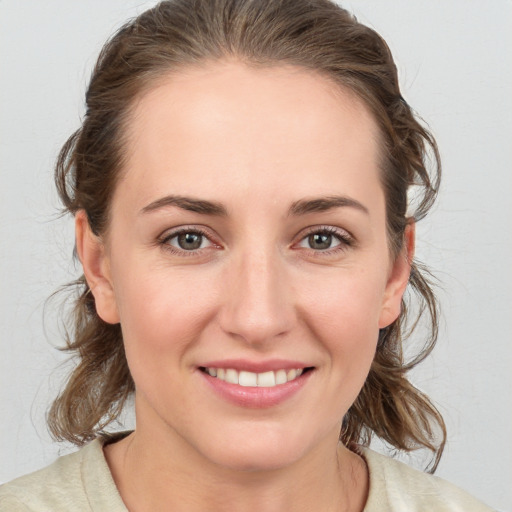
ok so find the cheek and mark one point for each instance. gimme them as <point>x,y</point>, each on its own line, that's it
<point>162,313</point>
<point>343,318</point>
<point>344,315</point>
<point>349,299</point>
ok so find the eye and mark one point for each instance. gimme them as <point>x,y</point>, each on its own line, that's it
<point>320,241</point>
<point>186,240</point>
<point>325,239</point>
<point>189,241</point>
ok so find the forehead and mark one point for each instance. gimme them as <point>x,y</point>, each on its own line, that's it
<point>232,124</point>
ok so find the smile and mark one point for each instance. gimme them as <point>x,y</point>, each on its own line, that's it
<point>255,385</point>
<point>243,378</point>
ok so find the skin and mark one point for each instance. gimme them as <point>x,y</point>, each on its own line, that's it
<point>255,142</point>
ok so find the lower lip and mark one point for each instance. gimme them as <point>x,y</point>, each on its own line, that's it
<point>256,397</point>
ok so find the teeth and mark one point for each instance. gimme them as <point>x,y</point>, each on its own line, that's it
<point>247,379</point>
<point>281,377</point>
<point>266,380</point>
<point>292,374</point>
<point>232,376</point>
<point>250,379</point>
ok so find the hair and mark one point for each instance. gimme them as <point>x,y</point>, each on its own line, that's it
<point>315,35</point>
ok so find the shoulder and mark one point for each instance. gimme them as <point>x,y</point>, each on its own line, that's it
<point>58,485</point>
<point>77,482</point>
<point>396,487</point>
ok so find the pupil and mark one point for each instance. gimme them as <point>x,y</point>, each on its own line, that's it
<point>320,241</point>
<point>190,241</point>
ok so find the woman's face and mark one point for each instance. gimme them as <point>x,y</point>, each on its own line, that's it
<point>247,241</point>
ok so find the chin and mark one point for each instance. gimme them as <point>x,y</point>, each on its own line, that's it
<point>255,459</point>
<point>263,449</point>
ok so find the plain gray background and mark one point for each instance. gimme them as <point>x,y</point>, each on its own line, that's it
<point>454,59</point>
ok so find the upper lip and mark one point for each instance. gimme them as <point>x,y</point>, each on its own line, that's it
<point>255,366</point>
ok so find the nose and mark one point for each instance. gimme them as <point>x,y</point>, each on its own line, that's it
<point>258,305</point>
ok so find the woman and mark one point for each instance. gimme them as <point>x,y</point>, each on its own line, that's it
<point>239,186</point>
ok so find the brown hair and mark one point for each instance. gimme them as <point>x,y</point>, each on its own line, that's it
<point>313,34</point>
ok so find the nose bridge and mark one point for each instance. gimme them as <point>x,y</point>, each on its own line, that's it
<point>258,306</point>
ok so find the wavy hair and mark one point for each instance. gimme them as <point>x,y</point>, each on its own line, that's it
<point>316,35</point>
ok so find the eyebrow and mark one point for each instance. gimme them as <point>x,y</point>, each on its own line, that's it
<point>323,204</point>
<point>301,207</point>
<point>187,203</point>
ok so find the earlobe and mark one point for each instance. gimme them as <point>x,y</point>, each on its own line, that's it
<point>398,279</point>
<point>95,263</point>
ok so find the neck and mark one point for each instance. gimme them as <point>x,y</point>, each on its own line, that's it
<point>152,468</point>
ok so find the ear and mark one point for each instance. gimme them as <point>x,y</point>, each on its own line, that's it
<point>398,279</point>
<point>95,262</point>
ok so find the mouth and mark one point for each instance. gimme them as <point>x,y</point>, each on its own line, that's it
<point>256,385</point>
<point>268,379</point>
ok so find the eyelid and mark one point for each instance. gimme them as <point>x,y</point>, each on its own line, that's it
<point>169,234</point>
<point>346,239</point>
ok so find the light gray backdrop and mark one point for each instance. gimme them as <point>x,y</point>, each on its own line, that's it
<point>455,63</point>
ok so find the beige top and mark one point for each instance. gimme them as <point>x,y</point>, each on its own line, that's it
<point>82,482</point>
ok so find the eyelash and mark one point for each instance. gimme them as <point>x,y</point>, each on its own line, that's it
<point>164,240</point>
<point>344,238</point>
